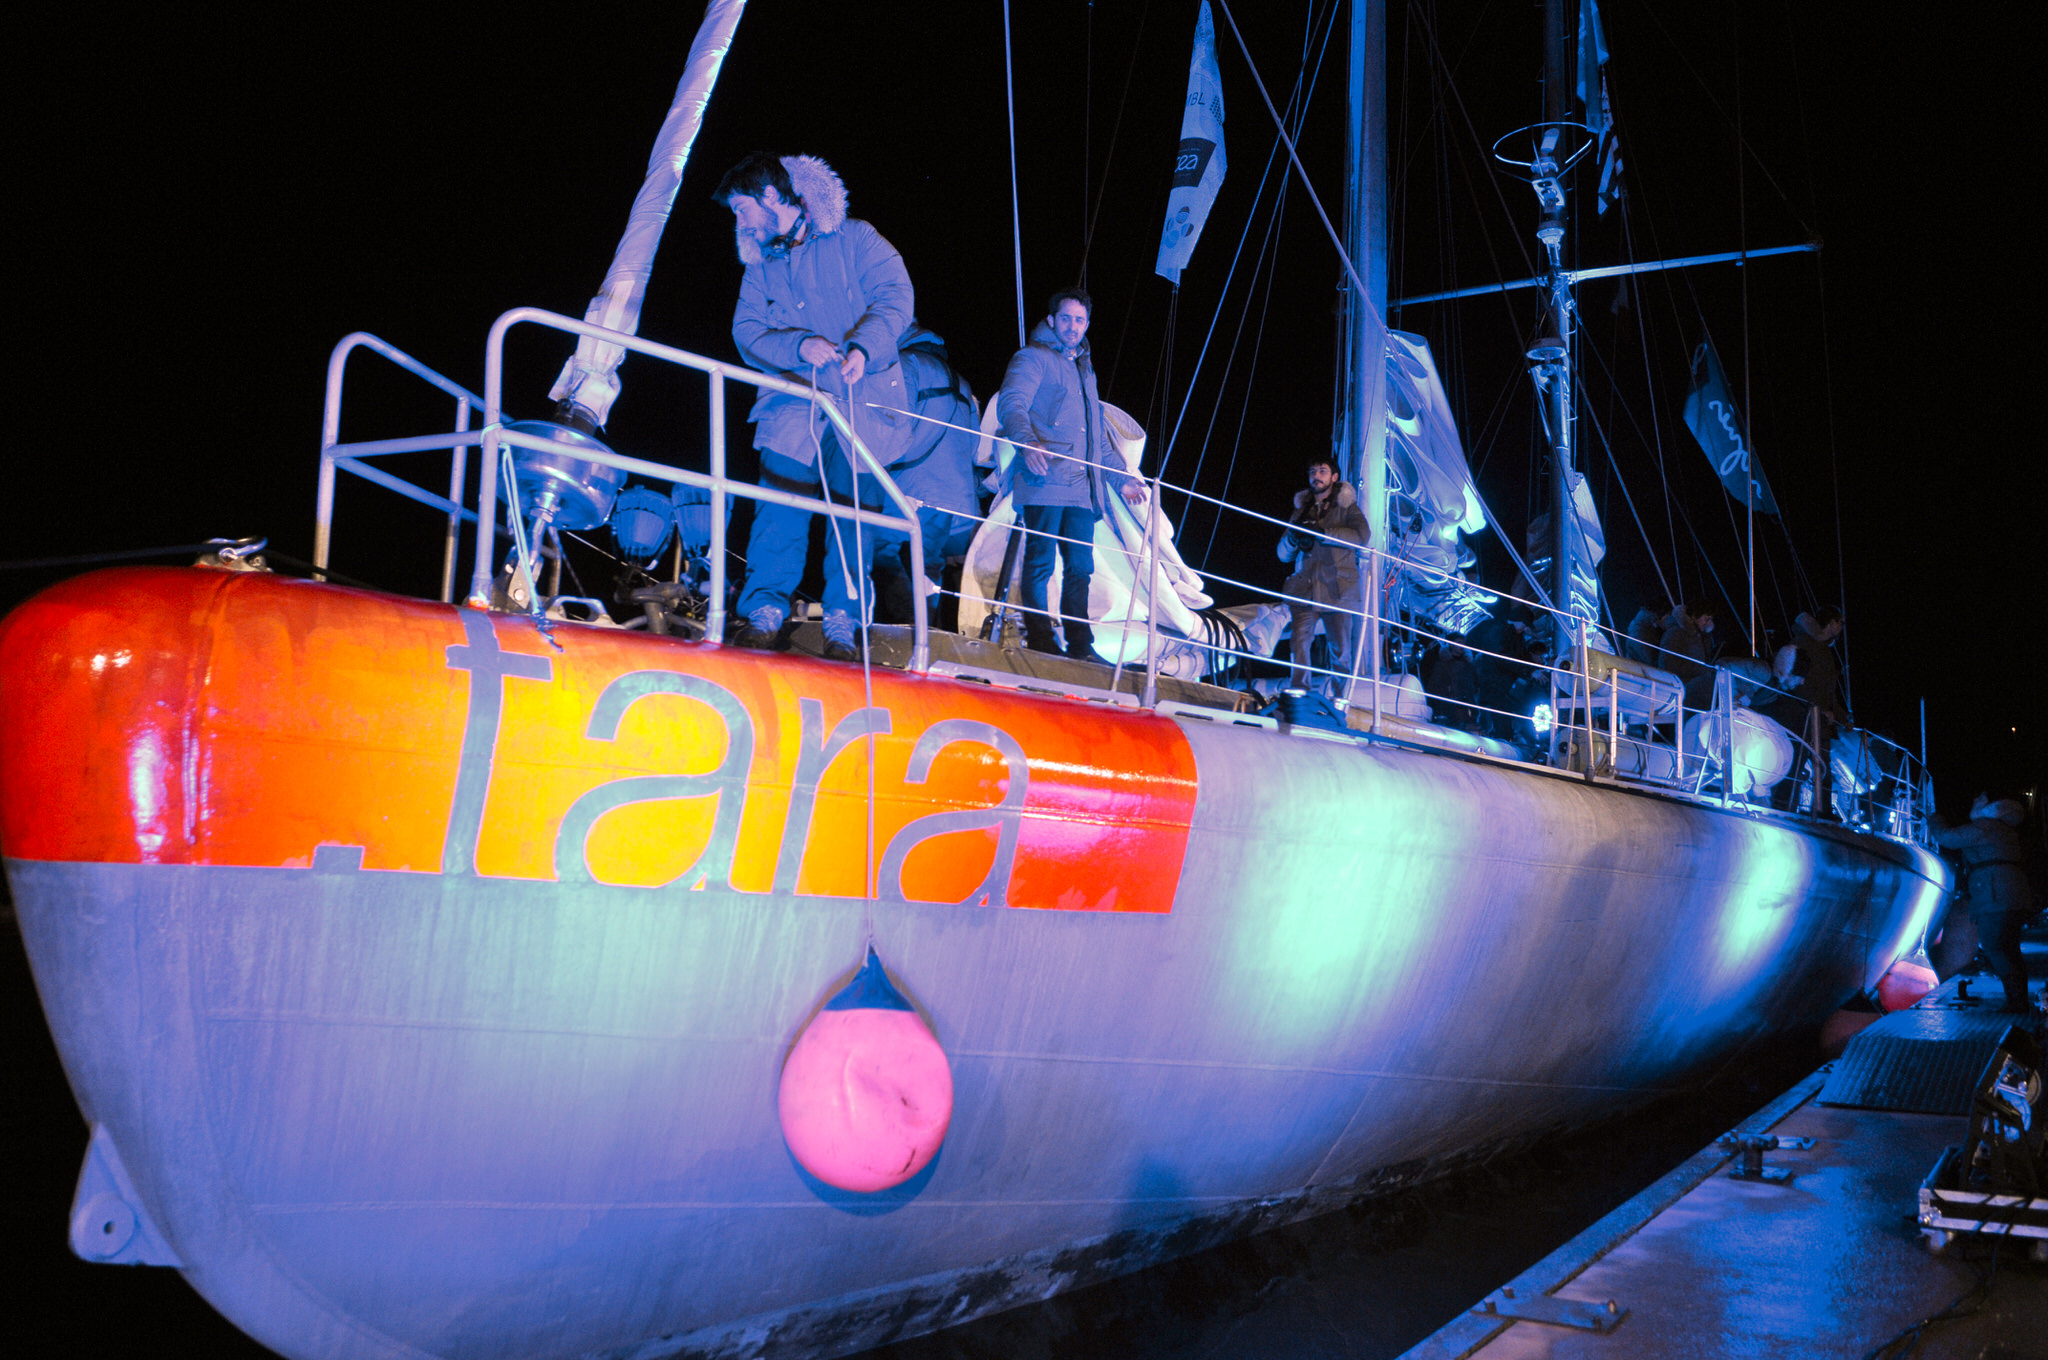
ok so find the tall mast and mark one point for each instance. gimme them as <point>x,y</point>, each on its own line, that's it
<point>1551,357</point>
<point>1362,428</point>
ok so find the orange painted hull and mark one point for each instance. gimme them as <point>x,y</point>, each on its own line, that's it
<point>431,973</point>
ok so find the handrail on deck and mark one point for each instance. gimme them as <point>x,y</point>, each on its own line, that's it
<point>330,437</point>
<point>1645,734</point>
<point>494,436</point>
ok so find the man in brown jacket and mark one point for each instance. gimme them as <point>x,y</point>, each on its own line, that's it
<point>1326,531</point>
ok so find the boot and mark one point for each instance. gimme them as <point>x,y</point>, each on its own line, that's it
<point>762,631</point>
<point>840,641</point>
<point>1074,616</point>
<point>1038,634</point>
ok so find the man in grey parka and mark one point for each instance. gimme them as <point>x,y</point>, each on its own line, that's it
<point>1050,410</point>
<point>824,300</point>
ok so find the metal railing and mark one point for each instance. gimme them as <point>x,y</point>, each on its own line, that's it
<point>1583,705</point>
<point>493,436</point>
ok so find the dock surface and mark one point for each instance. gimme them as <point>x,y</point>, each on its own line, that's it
<point>1830,1263</point>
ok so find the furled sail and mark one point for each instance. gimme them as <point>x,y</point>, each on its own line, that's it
<point>1122,584</point>
<point>1588,545</point>
<point>1432,500</point>
<point>590,379</point>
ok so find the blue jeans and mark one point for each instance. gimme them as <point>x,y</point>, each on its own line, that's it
<point>1077,557</point>
<point>781,538</point>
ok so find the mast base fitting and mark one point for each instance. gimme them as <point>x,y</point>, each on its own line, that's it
<point>578,418</point>
<point>1550,231</point>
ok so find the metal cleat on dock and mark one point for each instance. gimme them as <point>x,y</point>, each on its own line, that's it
<point>1750,1149</point>
<point>1548,1308</point>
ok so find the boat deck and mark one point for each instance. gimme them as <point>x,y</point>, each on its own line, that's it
<point>1828,1264</point>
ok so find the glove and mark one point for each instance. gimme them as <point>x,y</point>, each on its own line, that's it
<point>1299,543</point>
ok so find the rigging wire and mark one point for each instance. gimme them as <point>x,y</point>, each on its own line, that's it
<point>1297,103</point>
<point>1685,516</point>
<point>1016,217</point>
<point>1650,385</point>
<point>1243,411</point>
<point>1742,145</point>
<point>1251,371</point>
<point>1699,312</point>
<point>1259,266</point>
<point>1622,482</point>
<point>1109,157</point>
<point>1827,373</point>
<point>1472,129</point>
<point>1742,243</point>
<point>1363,296</point>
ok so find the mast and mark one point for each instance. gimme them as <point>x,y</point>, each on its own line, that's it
<point>1362,421</point>
<point>589,383</point>
<point>1551,357</point>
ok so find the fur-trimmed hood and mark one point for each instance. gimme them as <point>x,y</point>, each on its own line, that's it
<point>1345,497</point>
<point>822,193</point>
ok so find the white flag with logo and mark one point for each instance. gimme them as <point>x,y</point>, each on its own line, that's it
<point>1199,164</point>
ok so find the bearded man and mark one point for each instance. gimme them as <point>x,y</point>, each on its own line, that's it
<point>824,301</point>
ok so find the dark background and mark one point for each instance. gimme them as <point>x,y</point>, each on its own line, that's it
<point>205,201</point>
<point>209,200</point>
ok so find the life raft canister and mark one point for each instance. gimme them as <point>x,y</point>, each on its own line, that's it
<point>867,1093</point>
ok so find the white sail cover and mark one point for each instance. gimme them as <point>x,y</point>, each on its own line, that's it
<point>591,376</point>
<point>1121,585</point>
<point>1432,499</point>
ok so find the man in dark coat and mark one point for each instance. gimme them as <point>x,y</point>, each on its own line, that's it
<point>1686,649</point>
<point>1644,632</point>
<point>1322,542</point>
<point>824,300</point>
<point>1821,686</point>
<point>1500,647</point>
<point>1994,886</point>
<point>1050,410</point>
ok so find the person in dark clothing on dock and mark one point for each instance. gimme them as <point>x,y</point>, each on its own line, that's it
<point>1993,885</point>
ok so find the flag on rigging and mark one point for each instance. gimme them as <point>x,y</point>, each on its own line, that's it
<point>1593,96</point>
<point>1199,163</point>
<point>1711,416</point>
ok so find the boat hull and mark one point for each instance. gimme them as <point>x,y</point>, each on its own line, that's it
<point>399,1066</point>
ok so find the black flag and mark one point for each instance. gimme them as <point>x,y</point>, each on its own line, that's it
<point>1711,416</point>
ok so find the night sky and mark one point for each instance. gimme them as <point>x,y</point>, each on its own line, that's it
<point>208,198</point>
<point>213,198</point>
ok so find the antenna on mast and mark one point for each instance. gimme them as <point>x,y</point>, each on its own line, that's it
<point>1551,156</point>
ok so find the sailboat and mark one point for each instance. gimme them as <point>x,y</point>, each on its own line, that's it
<point>431,973</point>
